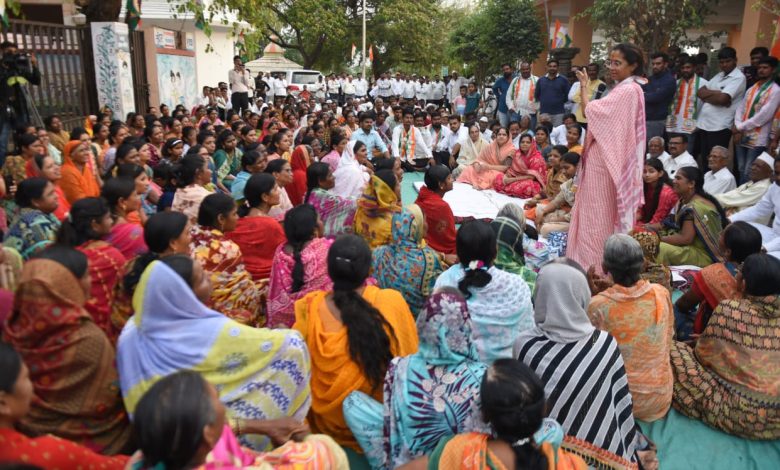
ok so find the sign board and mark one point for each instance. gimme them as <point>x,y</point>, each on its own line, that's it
<point>189,41</point>
<point>164,38</point>
<point>445,71</point>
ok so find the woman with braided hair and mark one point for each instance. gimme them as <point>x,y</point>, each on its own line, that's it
<point>299,266</point>
<point>352,333</point>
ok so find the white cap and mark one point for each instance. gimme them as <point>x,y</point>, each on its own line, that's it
<point>483,119</point>
<point>328,102</point>
<point>766,158</point>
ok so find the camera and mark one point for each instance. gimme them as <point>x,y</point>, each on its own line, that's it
<point>18,61</point>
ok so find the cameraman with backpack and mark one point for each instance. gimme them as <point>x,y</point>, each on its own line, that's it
<point>17,70</point>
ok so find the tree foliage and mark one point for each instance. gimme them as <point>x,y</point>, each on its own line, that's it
<point>651,24</point>
<point>498,31</point>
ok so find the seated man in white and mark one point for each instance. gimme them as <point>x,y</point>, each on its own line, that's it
<point>768,205</point>
<point>409,144</point>
<point>655,148</point>
<point>748,194</point>
<point>719,179</point>
<point>678,155</point>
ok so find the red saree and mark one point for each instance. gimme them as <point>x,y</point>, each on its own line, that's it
<point>299,161</point>
<point>530,164</point>
<point>71,362</point>
<point>53,452</point>
<point>258,237</point>
<point>128,238</point>
<point>106,268</point>
<point>441,221</point>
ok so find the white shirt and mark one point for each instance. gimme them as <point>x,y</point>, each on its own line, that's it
<point>333,87</point>
<point>421,149</point>
<point>319,90</point>
<point>398,86</point>
<point>520,98</point>
<point>456,137</point>
<point>439,138</point>
<point>455,88</point>
<point>240,82</point>
<point>271,81</point>
<point>385,87</point>
<point>349,88</point>
<point>671,165</point>
<point>421,91</point>
<point>409,91</point>
<point>716,118</point>
<point>768,205</point>
<point>280,87</point>
<point>436,91</point>
<point>558,135</point>
<point>204,100</point>
<point>361,87</point>
<point>665,154</point>
<point>488,135</point>
<point>720,182</point>
<point>426,135</point>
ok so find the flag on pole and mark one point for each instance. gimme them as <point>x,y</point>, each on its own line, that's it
<point>353,51</point>
<point>3,14</point>
<point>241,45</point>
<point>559,37</point>
<point>776,44</point>
<point>133,16</point>
<point>371,53</point>
<point>200,18</point>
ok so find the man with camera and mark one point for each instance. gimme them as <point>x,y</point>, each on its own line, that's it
<point>17,69</point>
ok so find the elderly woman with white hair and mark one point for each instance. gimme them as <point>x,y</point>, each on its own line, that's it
<point>640,317</point>
<point>535,251</point>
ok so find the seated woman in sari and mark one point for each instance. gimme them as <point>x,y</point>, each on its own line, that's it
<point>717,282</point>
<point>182,424</point>
<point>491,162</point>
<point>165,233</point>
<point>44,166</point>
<point>299,161</point>
<point>336,213</point>
<point>406,264</point>
<point>261,374</point>
<point>258,234</point>
<point>281,170</point>
<point>235,294</point>
<point>499,302</point>
<point>71,360</point>
<point>527,173</point>
<point>555,215</point>
<point>299,266</point>
<point>660,197</point>
<point>78,181</point>
<point>35,227</point>
<point>438,214</point>
<point>252,162</point>
<point>428,396</point>
<point>375,208</point>
<point>698,220</point>
<point>89,222</point>
<point>122,197</point>
<point>536,252</point>
<point>639,315</point>
<point>227,158</point>
<point>513,403</point>
<point>730,379</point>
<point>579,362</point>
<point>573,138</point>
<point>191,175</point>
<point>48,451</point>
<point>352,333</point>
<point>511,256</point>
<point>470,150</point>
<point>352,175</point>
<point>555,178</point>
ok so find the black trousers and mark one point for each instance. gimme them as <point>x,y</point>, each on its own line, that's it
<point>705,140</point>
<point>240,102</point>
<point>442,158</point>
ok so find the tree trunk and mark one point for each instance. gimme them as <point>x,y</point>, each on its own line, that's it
<point>100,10</point>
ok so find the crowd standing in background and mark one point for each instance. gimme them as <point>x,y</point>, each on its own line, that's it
<point>242,284</point>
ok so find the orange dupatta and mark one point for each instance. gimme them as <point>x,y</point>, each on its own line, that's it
<point>334,374</point>
<point>77,184</point>
<point>63,206</point>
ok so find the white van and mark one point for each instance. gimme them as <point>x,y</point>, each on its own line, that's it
<point>296,79</point>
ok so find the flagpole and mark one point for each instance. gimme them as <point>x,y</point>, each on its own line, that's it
<point>363,55</point>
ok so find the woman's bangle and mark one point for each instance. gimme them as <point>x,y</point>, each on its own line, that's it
<point>237,426</point>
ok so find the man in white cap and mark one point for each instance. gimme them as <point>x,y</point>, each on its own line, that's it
<point>766,207</point>
<point>748,194</point>
<point>484,129</point>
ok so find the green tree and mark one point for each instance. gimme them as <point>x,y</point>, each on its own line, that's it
<point>651,24</point>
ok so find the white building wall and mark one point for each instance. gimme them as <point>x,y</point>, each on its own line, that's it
<point>213,66</point>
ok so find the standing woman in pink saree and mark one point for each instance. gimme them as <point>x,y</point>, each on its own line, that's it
<point>610,176</point>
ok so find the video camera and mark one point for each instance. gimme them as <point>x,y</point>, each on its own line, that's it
<point>17,62</point>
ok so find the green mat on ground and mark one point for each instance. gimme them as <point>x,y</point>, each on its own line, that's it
<point>408,194</point>
<point>684,443</point>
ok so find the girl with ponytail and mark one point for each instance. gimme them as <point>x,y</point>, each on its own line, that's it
<point>500,301</point>
<point>235,294</point>
<point>696,226</point>
<point>84,229</point>
<point>353,332</point>
<point>299,266</point>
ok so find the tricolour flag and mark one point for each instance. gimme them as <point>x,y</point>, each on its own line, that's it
<point>133,16</point>
<point>3,14</point>
<point>775,52</point>
<point>559,37</point>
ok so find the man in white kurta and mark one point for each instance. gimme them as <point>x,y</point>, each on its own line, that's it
<point>766,207</point>
<point>748,194</point>
<point>719,179</point>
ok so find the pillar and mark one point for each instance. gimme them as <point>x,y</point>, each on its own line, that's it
<point>580,30</point>
<point>757,29</point>
<point>113,66</point>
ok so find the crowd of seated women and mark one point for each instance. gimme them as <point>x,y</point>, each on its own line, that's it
<point>180,297</point>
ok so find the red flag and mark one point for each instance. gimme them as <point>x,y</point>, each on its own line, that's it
<point>371,53</point>
<point>775,52</point>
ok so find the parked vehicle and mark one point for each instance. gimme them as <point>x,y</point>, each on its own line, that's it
<point>296,79</point>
